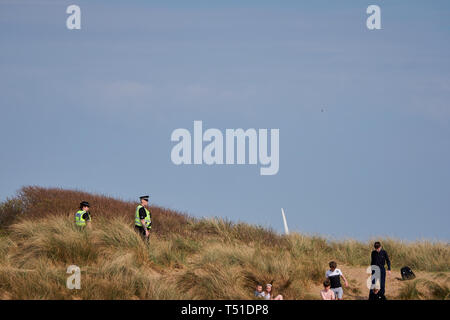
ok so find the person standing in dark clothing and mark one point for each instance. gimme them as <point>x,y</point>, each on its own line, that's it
<point>379,258</point>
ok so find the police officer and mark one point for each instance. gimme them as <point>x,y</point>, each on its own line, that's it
<point>83,217</point>
<point>143,218</point>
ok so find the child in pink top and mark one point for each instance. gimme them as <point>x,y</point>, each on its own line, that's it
<point>327,293</point>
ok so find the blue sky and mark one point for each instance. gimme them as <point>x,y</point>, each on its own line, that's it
<point>93,109</point>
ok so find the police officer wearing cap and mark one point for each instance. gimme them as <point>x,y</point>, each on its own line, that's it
<point>143,218</point>
<point>83,217</point>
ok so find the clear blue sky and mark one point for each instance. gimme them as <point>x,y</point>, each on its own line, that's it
<point>93,109</point>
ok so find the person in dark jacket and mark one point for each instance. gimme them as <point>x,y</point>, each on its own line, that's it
<point>379,258</point>
<point>375,294</point>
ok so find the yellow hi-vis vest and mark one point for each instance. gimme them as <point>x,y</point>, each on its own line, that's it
<point>137,219</point>
<point>79,221</point>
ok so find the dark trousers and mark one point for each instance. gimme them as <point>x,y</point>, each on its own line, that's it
<point>382,280</point>
<point>141,232</point>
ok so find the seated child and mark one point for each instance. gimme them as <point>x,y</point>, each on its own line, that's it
<point>269,295</point>
<point>327,293</point>
<point>259,293</point>
<point>376,294</point>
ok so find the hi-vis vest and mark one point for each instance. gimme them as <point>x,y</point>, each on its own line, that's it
<point>137,219</point>
<point>79,221</point>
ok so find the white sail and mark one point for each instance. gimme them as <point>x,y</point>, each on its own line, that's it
<point>286,230</point>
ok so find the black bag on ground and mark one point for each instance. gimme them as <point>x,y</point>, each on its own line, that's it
<point>407,273</point>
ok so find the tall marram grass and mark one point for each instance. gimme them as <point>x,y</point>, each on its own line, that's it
<point>187,258</point>
<point>56,239</point>
<point>36,202</point>
<point>424,289</point>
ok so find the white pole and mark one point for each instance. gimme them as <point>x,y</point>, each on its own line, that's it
<point>286,230</point>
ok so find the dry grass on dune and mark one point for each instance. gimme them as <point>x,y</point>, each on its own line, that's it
<point>36,202</point>
<point>188,258</point>
<point>420,289</point>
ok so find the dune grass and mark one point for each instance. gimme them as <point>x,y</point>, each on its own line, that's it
<point>187,258</point>
<point>422,289</point>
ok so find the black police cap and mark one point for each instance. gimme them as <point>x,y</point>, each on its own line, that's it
<point>84,204</point>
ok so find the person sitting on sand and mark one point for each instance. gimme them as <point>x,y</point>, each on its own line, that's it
<point>327,293</point>
<point>259,293</point>
<point>268,294</point>
<point>376,294</point>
